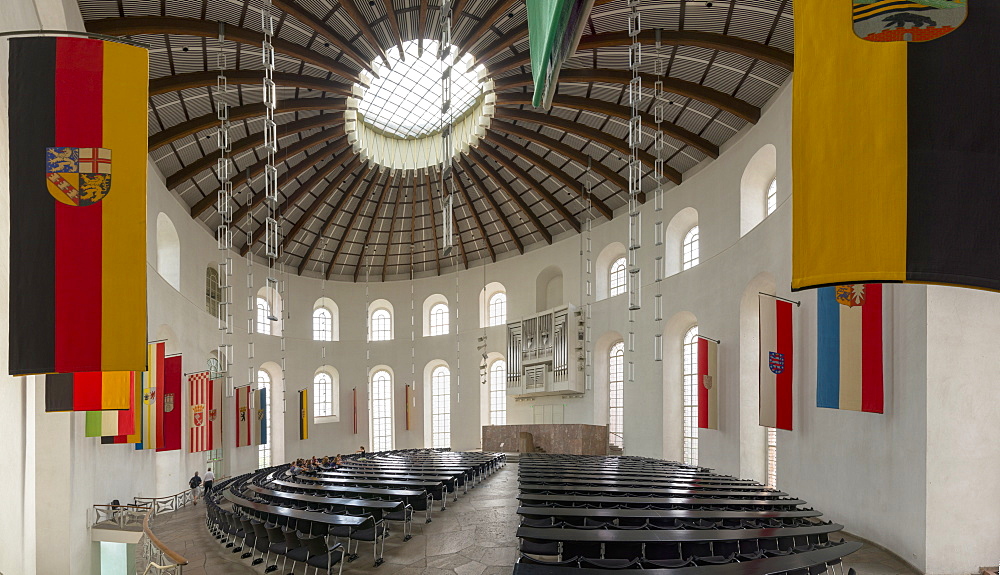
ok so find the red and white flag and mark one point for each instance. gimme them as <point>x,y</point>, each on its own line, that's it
<point>204,417</point>
<point>776,361</point>
<point>708,384</point>
<point>244,416</point>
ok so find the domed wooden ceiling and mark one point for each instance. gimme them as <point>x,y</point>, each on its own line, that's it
<point>346,218</point>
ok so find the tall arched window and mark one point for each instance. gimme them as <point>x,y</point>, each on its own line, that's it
<point>616,281</point>
<point>168,251</point>
<point>322,324</point>
<point>213,292</point>
<point>772,457</point>
<point>498,393</point>
<point>439,319</point>
<point>264,451</point>
<point>263,317</point>
<point>441,407</point>
<point>381,398</point>
<point>690,361</point>
<point>690,249</point>
<point>771,202</point>
<point>616,391</point>
<point>498,309</point>
<point>323,392</point>
<point>381,325</point>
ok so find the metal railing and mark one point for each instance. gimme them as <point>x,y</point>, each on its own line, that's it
<point>168,503</point>
<point>157,557</point>
<point>113,516</point>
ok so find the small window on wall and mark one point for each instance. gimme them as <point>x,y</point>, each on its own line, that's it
<point>498,309</point>
<point>213,291</point>
<point>616,281</point>
<point>263,317</point>
<point>323,392</point>
<point>381,325</point>
<point>690,249</point>
<point>439,319</point>
<point>322,325</point>
<point>772,198</point>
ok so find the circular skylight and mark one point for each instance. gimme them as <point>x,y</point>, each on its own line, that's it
<point>405,100</point>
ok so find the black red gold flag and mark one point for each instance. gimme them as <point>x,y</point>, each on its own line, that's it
<point>90,391</point>
<point>303,414</point>
<point>77,116</point>
<point>895,154</point>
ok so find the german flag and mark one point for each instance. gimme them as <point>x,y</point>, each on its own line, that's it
<point>135,435</point>
<point>77,115</point>
<point>90,391</point>
<point>895,154</point>
<point>114,422</point>
<point>303,414</point>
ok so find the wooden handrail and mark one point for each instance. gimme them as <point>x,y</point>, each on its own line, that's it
<point>177,558</point>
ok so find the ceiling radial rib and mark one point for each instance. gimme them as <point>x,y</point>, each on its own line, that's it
<point>320,201</point>
<point>422,26</point>
<point>532,183</point>
<point>299,12</point>
<point>475,215</point>
<point>609,109</point>
<point>201,123</point>
<point>299,193</point>
<point>167,84</point>
<point>371,226</point>
<point>492,173</point>
<point>341,203</point>
<point>710,40</point>
<point>704,94</point>
<point>586,132</point>
<point>477,182</point>
<point>252,141</point>
<point>350,224</point>
<point>505,41</point>
<point>205,29</point>
<point>497,11</point>
<point>560,148</point>
<point>559,174</point>
<point>433,228</point>
<point>392,228</point>
<point>359,20</point>
<point>390,10</point>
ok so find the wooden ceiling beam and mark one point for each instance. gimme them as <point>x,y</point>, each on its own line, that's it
<point>299,12</point>
<point>195,125</point>
<point>359,20</point>
<point>167,84</point>
<point>133,26</point>
<point>704,94</point>
<point>478,182</point>
<point>491,172</point>
<point>325,228</point>
<point>350,225</point>
<point>610,109</point>
<point>503,42</point>
<point>371,225</point>
<point>392,226</point>
<point>586,133</point>
<point>430,212</point>
<point>472,208</point>
<point>531,182</point>
<point>390,10</point>
<point>319,201</point>
<point>710,40</point>
<point>496,12</point>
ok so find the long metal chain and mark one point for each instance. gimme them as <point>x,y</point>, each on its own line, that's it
<point>447,56</point>
<point>659,111</point>
<point>224,205</point>
<point>634,181</point>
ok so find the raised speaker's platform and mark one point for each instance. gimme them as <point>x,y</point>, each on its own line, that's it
<point>569,438</point>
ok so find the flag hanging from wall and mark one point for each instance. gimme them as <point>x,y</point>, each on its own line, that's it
<point>152,387</point>
<point>776,362</point>
<point>204,403</point>
<point>113,422</point>
<point>850,347</point>
<point>243,416</point>
<point>135,435</point>
<point>169,419</point>
<point>88,391</point>
<point>77,143</point>
<point>260,420</point>
<point>708,384</point>
<point>896,167</point>
<point>303,414</point>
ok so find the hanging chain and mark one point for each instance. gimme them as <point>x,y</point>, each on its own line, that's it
<point>224,205</point>
<point>659,111</point>
<point>586,249</point>
<point>447,56</point>
<point>634,180</point>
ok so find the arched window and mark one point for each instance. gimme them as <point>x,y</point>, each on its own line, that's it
<point>441,408</point>
<point>381,325</point>
<point>439,319</point>
<point>213,292</point>
<point>771,202</point>
<point>264,451</point>
<point>616,281</point>
<point>690,361</point>
<point>381,398</point>
<point>498,309</point>
<point>616,390</point>
<point>689,249</point>
<point>264,316</point>
<point>322,325</point>
<point>498,393</point>
<point>168,251</point>
<point>772,457</point>
<point>323,392</point>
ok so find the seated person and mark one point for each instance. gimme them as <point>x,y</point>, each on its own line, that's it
<point>295,469</point>
<point>336,461</point>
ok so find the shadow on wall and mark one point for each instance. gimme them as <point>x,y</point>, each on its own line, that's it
<point>549,289</point>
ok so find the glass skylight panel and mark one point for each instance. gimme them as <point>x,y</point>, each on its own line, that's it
<point>405,100</point>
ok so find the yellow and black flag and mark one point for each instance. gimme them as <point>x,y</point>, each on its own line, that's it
<point>895,153</point>
<point>303,414</point>
<point>77,116</point>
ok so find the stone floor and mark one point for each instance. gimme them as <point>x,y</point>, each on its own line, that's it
<point>473,536</point>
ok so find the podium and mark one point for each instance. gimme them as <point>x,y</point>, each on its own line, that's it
<point>567,438</point>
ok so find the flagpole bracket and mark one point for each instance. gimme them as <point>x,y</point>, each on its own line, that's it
<point>797,303</point>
